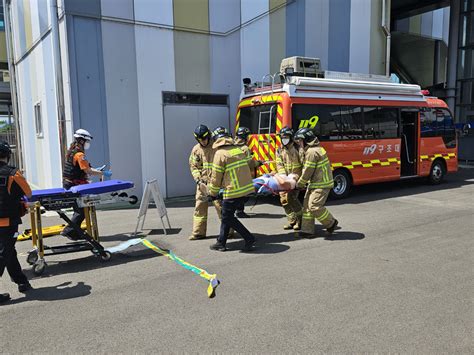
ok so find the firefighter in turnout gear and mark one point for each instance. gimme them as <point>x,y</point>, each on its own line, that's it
<point>288,162</point>
<point>317,178</point>
<point>76,172</point>
<point>200,163</point>
<point>232,179</point>
<point>241,140</point>
<point>13,187</point>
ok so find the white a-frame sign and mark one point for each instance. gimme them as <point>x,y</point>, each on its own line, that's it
<point>152,191</point>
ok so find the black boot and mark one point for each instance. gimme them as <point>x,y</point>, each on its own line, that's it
<point>4,297</point>
<point>24,287</point>
<point>218,246</point>
<point>333,227</point>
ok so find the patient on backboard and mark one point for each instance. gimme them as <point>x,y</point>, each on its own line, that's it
<point>269,184</point>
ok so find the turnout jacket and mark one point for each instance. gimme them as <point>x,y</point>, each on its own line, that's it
<point>288,160</point>
<point>317,173</point>
<point>242,144</point>
<point>200,162</point>
<point>230,170</point>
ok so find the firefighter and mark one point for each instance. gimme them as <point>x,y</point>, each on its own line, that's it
<point>232,179</point>
<point>317,178</point>
<point>288,162</point>
<point>200,163</point>
<point>241,140</point>
<point>13,187</point>
<point>76,172</point>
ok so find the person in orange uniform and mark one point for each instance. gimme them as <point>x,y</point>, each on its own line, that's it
<point>13,187</point>
<point>76,172</point>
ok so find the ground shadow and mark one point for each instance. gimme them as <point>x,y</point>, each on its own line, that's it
<point>59,292</point>
<point>265,215</point>
<point>90,262</point>
<point>158,231</point>
<point>272,244</point>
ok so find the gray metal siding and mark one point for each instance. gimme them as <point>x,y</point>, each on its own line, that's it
<point>295,28</point>
<point>123,118</point>
<point>339,34</point>
<point>87,84</point>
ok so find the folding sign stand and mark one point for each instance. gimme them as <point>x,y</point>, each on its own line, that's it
<point>152,191</point>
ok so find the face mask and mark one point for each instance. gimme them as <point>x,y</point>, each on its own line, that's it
<point>285,141</point>
<point>87,145</point>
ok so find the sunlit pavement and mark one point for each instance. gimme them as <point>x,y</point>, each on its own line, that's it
<point>397,277</point>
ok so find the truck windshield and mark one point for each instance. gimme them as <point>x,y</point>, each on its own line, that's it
<point>259,119</point>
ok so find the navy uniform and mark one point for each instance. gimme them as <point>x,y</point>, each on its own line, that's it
<point>13,187</point>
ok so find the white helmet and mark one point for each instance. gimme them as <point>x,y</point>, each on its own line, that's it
<point>82,133</point>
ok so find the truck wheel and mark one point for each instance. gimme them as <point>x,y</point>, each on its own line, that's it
<point>342,184</point>
<point>437,172</point>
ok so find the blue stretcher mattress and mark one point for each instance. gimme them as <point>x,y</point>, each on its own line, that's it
<point>37,194</point>
<point>95,188</point>
<point>103,187</point>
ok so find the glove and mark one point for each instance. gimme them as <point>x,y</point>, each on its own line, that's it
<point>107,173</point>
<point>211,198</point>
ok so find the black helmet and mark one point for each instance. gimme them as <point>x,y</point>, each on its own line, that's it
<point>243,132</point>
<point>220,132</point>
<point>286,132</point>
<point>5,150</point>
<point>305,134</point>
<point>202,132</point>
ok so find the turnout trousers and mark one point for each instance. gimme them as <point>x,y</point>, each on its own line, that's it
<point>8,255</point>
<point>291,205</point>
<point>313,207</point>
<point>229,221</point>
<point>200,213</point>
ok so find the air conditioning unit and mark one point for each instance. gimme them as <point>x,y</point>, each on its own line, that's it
<point>301,66</point>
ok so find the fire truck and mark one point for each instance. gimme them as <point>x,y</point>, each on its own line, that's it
<point>373,129</point>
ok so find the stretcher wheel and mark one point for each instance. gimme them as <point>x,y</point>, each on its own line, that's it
<point>123,195</point>
<point>133,200</point>
<point>32,257</point>
<point>106,256</point>
<point>39,267</point>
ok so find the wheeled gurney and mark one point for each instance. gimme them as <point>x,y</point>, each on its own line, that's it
<point>88,197</point>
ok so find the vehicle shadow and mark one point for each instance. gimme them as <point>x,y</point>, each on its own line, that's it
<point>385,190</point>
<point>64,291</point>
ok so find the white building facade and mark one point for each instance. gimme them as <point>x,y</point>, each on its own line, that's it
<point>141,74</point>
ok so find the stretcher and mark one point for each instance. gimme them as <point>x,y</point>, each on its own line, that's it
<point>88,197</point>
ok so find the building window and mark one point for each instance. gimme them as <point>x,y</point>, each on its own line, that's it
<point>38,120</point>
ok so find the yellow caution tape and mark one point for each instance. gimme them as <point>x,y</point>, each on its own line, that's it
<point>212,278</point>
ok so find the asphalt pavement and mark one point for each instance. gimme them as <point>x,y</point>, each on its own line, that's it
<point>396,277</point>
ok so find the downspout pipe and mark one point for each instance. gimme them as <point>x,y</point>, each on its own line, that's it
<point>386,30</point>
<point>59,81</point>
<point>13,86</point>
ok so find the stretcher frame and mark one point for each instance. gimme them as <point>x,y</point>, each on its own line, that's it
<point>90,242</point>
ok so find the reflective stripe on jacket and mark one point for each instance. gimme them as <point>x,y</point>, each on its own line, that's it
<point>230,171</point>
<point>200,162</point>
<point>248,153</point>
<point>288,160</point>
<point>317,173</point>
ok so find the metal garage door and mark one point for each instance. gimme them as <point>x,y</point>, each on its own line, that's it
<point>180,120</point>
